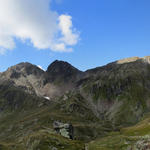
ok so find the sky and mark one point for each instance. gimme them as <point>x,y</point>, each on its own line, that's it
<point>86,34</point>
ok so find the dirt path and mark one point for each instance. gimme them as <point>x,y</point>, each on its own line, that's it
<point>86,147</point>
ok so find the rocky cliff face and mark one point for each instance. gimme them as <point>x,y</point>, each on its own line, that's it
<point>26,76</point>
<point>61,71</point>
<point>59,77</point>
<point>63,75</point>
<point>119,91</point>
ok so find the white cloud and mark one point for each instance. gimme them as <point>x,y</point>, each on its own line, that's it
<point>69,36</point>
<point>34,21</point>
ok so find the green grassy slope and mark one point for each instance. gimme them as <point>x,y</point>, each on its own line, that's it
<point>26,121</point>
<point>136,137</point>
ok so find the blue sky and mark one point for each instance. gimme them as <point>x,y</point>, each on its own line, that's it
<point>109,30</point>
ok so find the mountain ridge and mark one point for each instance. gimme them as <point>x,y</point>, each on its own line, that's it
<point>97,104</point>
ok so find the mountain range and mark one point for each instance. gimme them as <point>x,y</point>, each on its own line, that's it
<point>63,108</point>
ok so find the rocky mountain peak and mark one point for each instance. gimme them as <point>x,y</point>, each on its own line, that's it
<point>62,70</point>
<point>23,68</point>
<point>61,67</point>
<point>25,76</point>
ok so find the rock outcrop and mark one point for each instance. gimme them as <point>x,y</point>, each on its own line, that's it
<point>64,129</point>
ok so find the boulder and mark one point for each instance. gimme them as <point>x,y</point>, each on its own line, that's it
<point>64,129</point>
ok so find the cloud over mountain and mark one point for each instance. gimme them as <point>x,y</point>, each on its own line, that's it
<point>34,21</point>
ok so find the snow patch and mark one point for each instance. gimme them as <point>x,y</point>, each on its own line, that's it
<point>47,98</point>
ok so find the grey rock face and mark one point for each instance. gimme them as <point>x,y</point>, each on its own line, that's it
<point>64,129</point>
<point>59,77</point>
<point>26,76</point>
<point>63,72</point>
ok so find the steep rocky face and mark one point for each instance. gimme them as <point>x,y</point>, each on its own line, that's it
<point>60,71</point>
<point>119,91</point>
<point>59,77</point>
<point>63,76</point>
<point>26,76</point>
<point>25,69</point>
